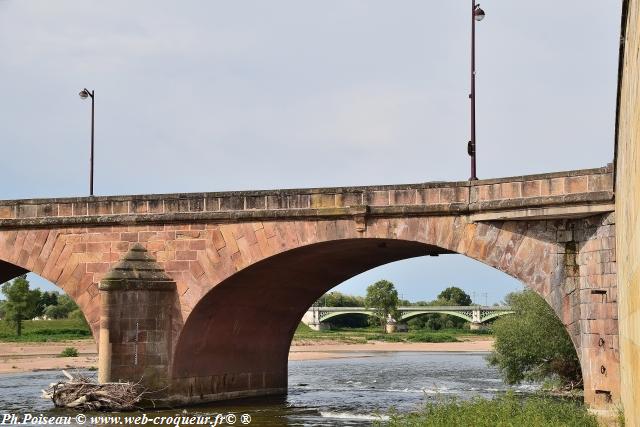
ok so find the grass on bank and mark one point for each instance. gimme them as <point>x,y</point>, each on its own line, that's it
<point>503,411</point>
<point>363,335</point>
<point>73,329</point>
<point>46,331</point>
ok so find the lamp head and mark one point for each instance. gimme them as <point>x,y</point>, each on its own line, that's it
<point>478,13</point>
<point>84,94</point>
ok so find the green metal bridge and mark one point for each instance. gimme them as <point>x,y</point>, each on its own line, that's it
<point>475,314</point>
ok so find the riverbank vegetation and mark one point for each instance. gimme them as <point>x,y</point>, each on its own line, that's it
<point>533,345</point>
<point>22,304</point>
<point>368,334</point>
<point>46,331</point>
<point>505,410</point>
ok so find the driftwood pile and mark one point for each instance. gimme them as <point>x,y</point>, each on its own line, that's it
<point>85,394</point>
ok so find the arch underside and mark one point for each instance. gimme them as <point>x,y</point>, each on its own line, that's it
<point>257,310</point>
<point>9,271</point>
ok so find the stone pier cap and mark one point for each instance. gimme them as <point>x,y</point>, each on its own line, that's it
<point>569,194</point>
<point>137,271</point>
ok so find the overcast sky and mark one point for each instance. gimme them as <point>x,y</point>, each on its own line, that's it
<point>219,95</point>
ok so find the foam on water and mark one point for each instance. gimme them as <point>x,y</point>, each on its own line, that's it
<point>350,416</point>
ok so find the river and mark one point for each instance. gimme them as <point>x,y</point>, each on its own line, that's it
<point>335,392</point>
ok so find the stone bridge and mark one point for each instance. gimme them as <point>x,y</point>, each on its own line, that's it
<point>200,294</point>
<point>474,314</point>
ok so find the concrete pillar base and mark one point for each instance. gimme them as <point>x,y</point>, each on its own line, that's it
<point>320,326</point>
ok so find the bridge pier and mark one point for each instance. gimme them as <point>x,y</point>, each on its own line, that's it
<point>137,299</point>
<point>475,326</point>
<point>320,326</point>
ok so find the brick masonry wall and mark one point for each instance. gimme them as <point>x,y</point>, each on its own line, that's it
<point>140,335</point>
<point>563,260</point>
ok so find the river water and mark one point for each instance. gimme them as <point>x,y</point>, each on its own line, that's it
<point>335,392</point>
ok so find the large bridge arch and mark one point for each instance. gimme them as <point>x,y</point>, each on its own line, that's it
<point>256,308</point>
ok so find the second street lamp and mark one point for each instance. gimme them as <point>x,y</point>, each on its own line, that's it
<point>477,14</point>
<point>84,94</point>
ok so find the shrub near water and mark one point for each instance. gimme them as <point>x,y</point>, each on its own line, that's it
<point>503,411</point>
<point>69,352</point>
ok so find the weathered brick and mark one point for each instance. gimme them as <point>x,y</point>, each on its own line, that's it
<point>27,211</point>
<point>231,203</point>
<point>532,188</point>
<point>600,182</point>
<point>139,206</point>
<point>349,199</point>
<point>575,184</point>
<point>255,202</point>
<point>511,190</point>
<point>428,196</point>
<point>403,197</point>
<point>47,209</point>
<point>556,186</point>
<point>299,201</point>
<point>156,206</point>
<point>377,198</point>
<point>277,202</point>
<point>323,200</point>
<point>196,204</point>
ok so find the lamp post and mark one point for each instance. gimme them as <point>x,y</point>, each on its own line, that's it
<point>477,14</point>
<point>84,94</point>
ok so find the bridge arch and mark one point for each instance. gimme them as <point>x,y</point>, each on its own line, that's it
<point>344,313</point>
<point>58,258</point>
<point>270,293</point>
<point>460,315</point>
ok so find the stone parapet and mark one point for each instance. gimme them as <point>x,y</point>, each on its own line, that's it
<point>588,186</point>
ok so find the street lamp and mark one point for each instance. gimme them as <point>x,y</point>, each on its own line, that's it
<point>477,14</point>
<point>84,94</point>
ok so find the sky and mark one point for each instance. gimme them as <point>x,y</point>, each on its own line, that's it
<point>215,95</point>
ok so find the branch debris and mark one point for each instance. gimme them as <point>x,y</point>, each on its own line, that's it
<point>85,394</point>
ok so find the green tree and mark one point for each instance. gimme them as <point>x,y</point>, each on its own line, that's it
<point>66,302</point>
<point>61,310</point>
<point>533,344</point>
<point>453,295</point>
<point>49,298</point>
<point>382,297</point>
<point>46,299</point>
<point>21,302</point>
<point>338,299</point>
<point>56,312</point>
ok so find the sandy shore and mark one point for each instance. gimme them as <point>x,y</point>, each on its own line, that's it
<point>337,350</point>
<point>28,357</point>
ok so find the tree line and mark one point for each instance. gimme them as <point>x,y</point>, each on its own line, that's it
<point>22,303</point>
